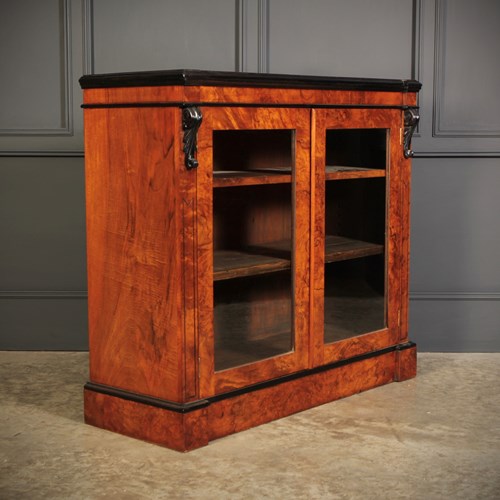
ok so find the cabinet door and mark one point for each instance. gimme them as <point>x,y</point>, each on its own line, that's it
<point>253,213</point>
<point>360,228</point>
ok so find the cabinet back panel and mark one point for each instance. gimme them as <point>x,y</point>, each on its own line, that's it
<point>356,209</point>
<point>252,149</point>
<point>254,215</point>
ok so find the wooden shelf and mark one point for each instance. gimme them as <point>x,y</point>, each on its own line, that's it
<point>333,173</point>
<point>339,248</point>
<point>276,256</point>
<point>230,178</point>
<point>235,264</point>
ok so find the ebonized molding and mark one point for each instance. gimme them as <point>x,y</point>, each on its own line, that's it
<point>191,77</point>
<point>202,403</point>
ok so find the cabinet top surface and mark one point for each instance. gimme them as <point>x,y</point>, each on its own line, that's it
<point>191,77</point>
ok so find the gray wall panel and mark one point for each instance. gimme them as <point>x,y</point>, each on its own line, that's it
<point>455,276</point>
<point>42,224</point>
<point>159,34</point>
<point>343,38</point>
<point>38,65</point>
<point>43,324</point>
<point>455,234</point>
<point>40,60</point>
<point>460,74</point>
<point>466,92</point>
<point>455,325</point>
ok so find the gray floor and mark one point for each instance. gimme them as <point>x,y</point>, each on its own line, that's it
<point>437,436</point>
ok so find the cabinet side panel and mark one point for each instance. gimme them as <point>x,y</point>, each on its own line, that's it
<point>134,250</point>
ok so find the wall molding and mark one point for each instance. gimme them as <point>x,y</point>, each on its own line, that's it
<point>417,26</point>
<point>43,294</point>
<point>88,37</point>
<point>241,35</point>
<point>416,49</point>
<point>452,154</point>
<point>42,153</point>
<point>439,83</point>
<point>263,37</point>
<point>66,67</point>
<point>449,295</point>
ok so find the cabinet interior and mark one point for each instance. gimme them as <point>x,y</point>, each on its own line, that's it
<point>252,238</point>
<point>252,157</point>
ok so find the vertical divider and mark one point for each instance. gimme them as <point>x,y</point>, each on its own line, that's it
<point>301,263</point>
<point>317,236</point>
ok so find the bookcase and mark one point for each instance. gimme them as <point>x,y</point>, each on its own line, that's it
<point>248,246</point>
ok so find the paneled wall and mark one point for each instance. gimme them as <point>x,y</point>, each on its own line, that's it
<point>450,45</point>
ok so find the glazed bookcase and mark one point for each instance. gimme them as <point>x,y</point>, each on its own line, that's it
<point>248,243</point>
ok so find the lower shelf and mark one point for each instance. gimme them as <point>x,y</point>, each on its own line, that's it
<point>353,312</point>
<point>235,350</point>
<point>235,264</point>
<point>338,248</point>
<point>186,427</point>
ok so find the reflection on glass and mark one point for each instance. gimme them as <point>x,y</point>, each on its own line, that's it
<point>252,319</point>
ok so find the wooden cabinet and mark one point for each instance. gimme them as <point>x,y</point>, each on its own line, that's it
<point>247,247</point>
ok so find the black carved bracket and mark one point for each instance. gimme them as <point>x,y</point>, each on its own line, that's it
<point>411,121</point>
<point>191,121</point>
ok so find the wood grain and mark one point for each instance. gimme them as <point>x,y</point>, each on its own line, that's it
<point>178,431</point>
<point>406,364</point>
<point>254,408</point>
<point>249,178</point>
<point>344,173</point>
<point>184,432</point>
<point>244,95</point>
<point>134,249</point>
<point>230,264</point>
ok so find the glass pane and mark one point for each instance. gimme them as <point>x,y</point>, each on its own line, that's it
<point>355,226</point>
<point>252,247</point>
<point>252,319</point>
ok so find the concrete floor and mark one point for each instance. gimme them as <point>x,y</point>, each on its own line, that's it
<point>437,436</point>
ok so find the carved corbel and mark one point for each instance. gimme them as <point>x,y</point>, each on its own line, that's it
<point>191,121</point>
<point>411,118</point>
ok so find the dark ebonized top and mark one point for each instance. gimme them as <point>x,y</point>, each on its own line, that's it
<point>194,77</point>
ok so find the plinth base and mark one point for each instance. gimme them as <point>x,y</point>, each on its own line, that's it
<point>184,427</point>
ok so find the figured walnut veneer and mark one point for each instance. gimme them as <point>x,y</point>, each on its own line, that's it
<point>157,236</point>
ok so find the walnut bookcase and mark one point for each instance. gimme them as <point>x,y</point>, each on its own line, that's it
<point>247,247</point>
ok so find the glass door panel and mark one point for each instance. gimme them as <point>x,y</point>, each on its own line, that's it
<point>253,245</point>
<point>252,242</point>
<point>355,233</point>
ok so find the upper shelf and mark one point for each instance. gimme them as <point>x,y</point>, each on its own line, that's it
<point>229,178</point>
<point>339,173</point>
